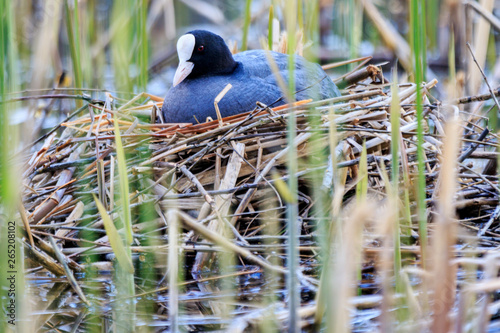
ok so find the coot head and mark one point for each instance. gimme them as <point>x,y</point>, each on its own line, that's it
<point>202,53</point>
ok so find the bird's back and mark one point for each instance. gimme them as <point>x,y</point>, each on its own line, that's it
<point>308,75</point>
<point>253,80</point>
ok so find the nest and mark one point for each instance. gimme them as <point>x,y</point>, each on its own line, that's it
<point>226,180</point>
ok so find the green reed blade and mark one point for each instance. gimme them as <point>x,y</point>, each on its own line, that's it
<point>74,42</point>
<point>246,24</point>
<point>419,50</point>
<point>293,223</point>
<point>270,28</point>
<point>143,46</point>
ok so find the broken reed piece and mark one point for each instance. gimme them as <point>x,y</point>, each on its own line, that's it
<point>218,99</point>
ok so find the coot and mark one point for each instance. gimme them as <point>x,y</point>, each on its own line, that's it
<point>206,66</point>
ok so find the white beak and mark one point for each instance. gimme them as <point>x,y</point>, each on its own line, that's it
<point>183,70</point>
<point>185,48</point>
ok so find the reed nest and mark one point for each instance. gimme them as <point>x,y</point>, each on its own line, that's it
<point>225,182</point>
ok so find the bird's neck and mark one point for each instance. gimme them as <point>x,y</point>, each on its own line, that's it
<point>224,65</point>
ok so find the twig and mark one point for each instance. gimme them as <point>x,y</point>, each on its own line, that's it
<point>484,76</point>
<point>223,242</point>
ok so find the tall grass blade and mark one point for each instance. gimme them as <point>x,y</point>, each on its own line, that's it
<point>173,269</point>
<point>15,307</point>
<point>300,15</point>
<point>77,39</point>
<point>147,265</point>
<point>423,37</point>
<point>143,45</point>
<point>270,28</point>
<point>362,191</point>
<point>74,41</point>
<point>246,25</point>
<point>124,185</point>
<point>312,29</point>
<point>124,275</point>
<point>362,185</point>
<point>272,229</point>
<point>115,240</point>
<point>355,29</point>
<point>418,51</point>
<point>283,189</point>
<point>432,11</point>
<point>331,236</point>
<point>318,157</point>
<point>395,152</point>
<point>121,45</point>
<point>401,312</point>
<point>293,223</point>
<point>452,70</point>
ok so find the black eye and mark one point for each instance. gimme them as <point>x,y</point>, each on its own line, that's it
<point>201,48</point>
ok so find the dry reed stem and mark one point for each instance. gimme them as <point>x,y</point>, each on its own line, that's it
<point>480,39</point>
<point>187,165</point>
<point>205,261</point>
<point>445,234</point>
<point>343,269</point>
<point>227,245</point>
